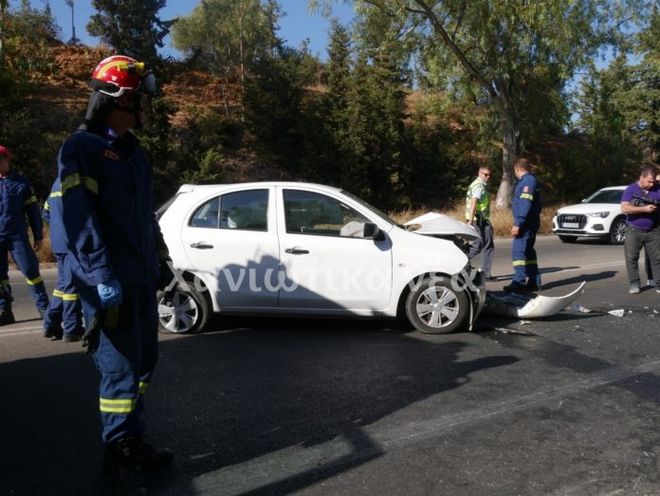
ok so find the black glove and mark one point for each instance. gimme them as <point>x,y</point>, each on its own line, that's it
<point>90,340</point>
<point>166,275</point>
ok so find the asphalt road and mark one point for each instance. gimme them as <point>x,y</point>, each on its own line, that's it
<point>564,406</point>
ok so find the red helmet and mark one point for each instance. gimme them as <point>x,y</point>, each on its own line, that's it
<point>119,73</point>
<point>4,152</point>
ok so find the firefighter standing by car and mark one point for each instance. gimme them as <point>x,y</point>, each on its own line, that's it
<point>63,318</point>
<point>526,210</point>
<point>115,249</point>
<point>18,200</point>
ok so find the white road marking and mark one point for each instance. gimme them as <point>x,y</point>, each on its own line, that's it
<point>18,331</point>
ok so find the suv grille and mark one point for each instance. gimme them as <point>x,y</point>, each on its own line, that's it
<point>572,221</point>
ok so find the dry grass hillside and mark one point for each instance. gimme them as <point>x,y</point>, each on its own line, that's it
<point>63,94</point>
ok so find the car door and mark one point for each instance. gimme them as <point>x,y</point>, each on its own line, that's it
<point>231,240</point>
<point>326,261</point>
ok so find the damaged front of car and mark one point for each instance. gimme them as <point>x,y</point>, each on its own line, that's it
<point>528,306</point>
<point>440,291</point>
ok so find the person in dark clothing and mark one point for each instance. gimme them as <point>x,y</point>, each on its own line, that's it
<point>526,209</point>
<point>18,201</point>
<point>63,319</point>
<point>643,225</point>
<point>116,254</point>
<point>653,281</point>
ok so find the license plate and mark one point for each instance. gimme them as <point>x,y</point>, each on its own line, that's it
<point>571,225</point>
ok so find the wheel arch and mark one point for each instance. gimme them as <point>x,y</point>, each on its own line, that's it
<point>198,284</point>
<point>403,295</point>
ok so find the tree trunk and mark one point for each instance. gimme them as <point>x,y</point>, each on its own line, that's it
<point>3,6</point>
<point>509,156</point>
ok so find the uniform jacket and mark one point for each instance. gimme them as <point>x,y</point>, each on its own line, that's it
<point>107,217</point>
<point>17,199</point>
<point>52,214</point>
<point>526,206</point>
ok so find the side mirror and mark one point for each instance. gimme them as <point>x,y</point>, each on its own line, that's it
<point>371,231</point>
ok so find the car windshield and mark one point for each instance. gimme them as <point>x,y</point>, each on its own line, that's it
<point>605,196</point>
<point>380,214</point>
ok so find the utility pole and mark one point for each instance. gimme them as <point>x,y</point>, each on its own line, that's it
<point>73,40</point>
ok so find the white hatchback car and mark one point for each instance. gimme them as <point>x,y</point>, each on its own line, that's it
<point>297,248</point>
<point>598,216</point>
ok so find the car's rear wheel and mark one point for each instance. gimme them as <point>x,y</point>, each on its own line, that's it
<point>434,306</point>
<point>182,311</point>
<point>618,231</point>
<point>568,239</point>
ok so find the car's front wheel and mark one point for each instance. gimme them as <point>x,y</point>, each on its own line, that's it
<point>182,311</point>
<point>435,306</point>
<point>618,231</point>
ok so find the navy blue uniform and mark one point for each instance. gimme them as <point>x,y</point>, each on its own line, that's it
<point>18,200</point>
<point>64,315</point>
<point>110,230</point>
<point>526,209</point>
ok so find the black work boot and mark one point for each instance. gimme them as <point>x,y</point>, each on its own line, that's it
<point>52,333</point>
<point>123,469</point>
<point>515,287</point>
<point>72,337</point>
<point>151,458</point>
<point>6,316</point>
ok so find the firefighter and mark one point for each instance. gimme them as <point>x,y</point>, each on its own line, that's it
<point>526,210</point>
<point>114,251</point>
<point>18,200</point>
<point>63,318</point>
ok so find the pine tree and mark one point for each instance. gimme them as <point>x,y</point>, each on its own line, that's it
<point>131,27</point>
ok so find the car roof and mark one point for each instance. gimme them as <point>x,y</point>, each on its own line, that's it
<point>186,188</point>
<point>612,188</point>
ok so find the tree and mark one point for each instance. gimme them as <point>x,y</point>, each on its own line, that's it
<point>132,27</point>
<point>28,32</point>
<point>226,37</point>
<point>3,8</point>
<point>640,102</point>
<point>619,106</point>
<point>498,47</point>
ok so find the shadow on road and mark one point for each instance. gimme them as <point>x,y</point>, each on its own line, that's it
<point>227,399</point>
<point>607,274</point>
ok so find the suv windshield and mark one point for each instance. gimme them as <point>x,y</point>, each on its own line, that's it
<point>605,196</point>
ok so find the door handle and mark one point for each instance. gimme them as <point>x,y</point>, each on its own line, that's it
<point>201,246</point>
<point>296,251</point>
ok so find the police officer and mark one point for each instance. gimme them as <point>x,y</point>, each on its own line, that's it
<point>63,318</point>
<point>526,209</point>
<point>477,214</point>
<point>18,200</point>
<point>115,248</point>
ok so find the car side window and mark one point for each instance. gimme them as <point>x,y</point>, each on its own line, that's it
<point>243,210</point>
<point>207,215</point>
<point>247,210</point>
<point>313,213</point>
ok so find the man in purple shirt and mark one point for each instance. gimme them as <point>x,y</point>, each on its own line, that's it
<point>640,204</point>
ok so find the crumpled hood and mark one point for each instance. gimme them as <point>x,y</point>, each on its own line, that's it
<point>433,223</point>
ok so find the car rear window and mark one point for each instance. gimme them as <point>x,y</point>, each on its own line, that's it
<point>243,210</point>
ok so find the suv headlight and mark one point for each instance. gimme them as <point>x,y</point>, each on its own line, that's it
<point>602,215</point>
